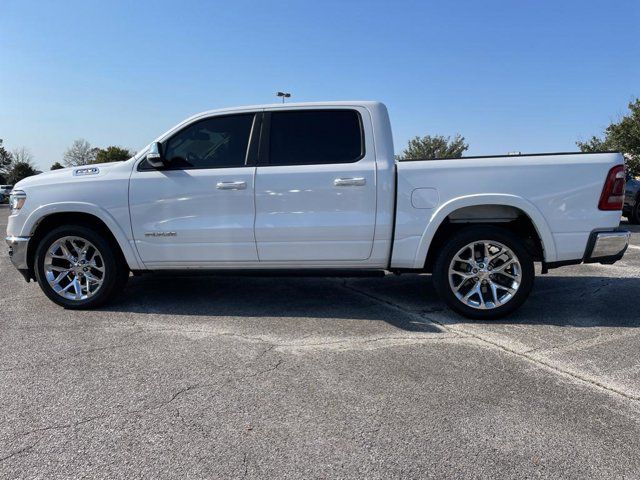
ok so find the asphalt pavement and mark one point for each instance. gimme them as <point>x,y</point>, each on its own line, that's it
<point>238,377</point>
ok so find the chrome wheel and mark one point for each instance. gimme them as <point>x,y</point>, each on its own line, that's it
<point>74,268</point>
<point>485,274</point>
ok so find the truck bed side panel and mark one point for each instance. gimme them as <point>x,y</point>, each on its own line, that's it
<point>559,193</point>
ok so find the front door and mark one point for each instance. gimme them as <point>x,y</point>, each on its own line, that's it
<point>200,209</point>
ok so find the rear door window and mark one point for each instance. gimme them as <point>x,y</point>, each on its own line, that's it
<point>311,137</point>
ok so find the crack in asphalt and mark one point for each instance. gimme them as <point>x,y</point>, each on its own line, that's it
<point>75,354</point>
<point>64,357</point>
<point>143,410</point>
<point>245,465</point>
<point>266,370</point>
<point>19,451</point>
<point>265,351</point>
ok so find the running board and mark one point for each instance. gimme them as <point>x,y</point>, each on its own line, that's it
<point>257,272</point>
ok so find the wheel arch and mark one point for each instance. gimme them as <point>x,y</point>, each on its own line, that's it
<point>46,218</point>
<point>441,225</point>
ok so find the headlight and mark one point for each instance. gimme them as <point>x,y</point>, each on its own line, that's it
<point>16,201</point>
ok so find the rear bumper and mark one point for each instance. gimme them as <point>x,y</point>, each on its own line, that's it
<point>18,254</point>
<point>606,247</point>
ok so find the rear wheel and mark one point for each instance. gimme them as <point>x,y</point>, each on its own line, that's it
<point>634,216</point>
<point>484,272</point>
<point>78,268</point>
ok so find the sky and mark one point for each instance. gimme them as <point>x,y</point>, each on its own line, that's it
<point>529,76</point>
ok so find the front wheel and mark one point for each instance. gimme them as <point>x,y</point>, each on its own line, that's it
<point>78,268</point>
<point>484,272</point>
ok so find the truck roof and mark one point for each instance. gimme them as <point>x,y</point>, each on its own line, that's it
<point>340,103</point>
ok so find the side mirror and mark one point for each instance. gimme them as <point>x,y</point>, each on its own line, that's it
<point>154,157</point>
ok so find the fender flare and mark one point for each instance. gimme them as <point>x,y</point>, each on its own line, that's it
<point>444,210</point>
<point>121,237</point>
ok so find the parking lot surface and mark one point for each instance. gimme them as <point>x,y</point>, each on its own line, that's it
<point>233,377</point>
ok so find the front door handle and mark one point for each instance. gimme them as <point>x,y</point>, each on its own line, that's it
<point>231,185</point>
<point>349,182</point>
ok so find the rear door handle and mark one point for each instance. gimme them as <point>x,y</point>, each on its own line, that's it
<point>231,185</point>
<point>349,182</point>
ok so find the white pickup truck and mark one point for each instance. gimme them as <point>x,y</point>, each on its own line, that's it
<point>315,188</point>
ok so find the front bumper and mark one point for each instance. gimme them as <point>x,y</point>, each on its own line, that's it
<point>606,247</point>
<point>18,253</point>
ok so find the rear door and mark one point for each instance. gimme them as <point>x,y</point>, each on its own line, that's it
<point>316,186</point>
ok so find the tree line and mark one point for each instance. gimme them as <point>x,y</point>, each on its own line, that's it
<point>82,153</point>
<point>622,136</point>
<point>18,163</point>
<point>15,165</point>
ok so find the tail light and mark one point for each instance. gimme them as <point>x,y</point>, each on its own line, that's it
<point>612,197</point>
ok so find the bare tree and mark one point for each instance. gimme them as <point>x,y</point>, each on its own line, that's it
<point>21,165</point>
<point>80,153</point>
<point>22,155</point>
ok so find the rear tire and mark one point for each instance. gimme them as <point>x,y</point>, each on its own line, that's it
<point>634,216</point>
<point>487,285</point>
<point>77,268</point>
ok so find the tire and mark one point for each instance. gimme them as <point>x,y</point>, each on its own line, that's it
<point>512,281</point>
<point>634,216</point>
<point>103,271</point>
